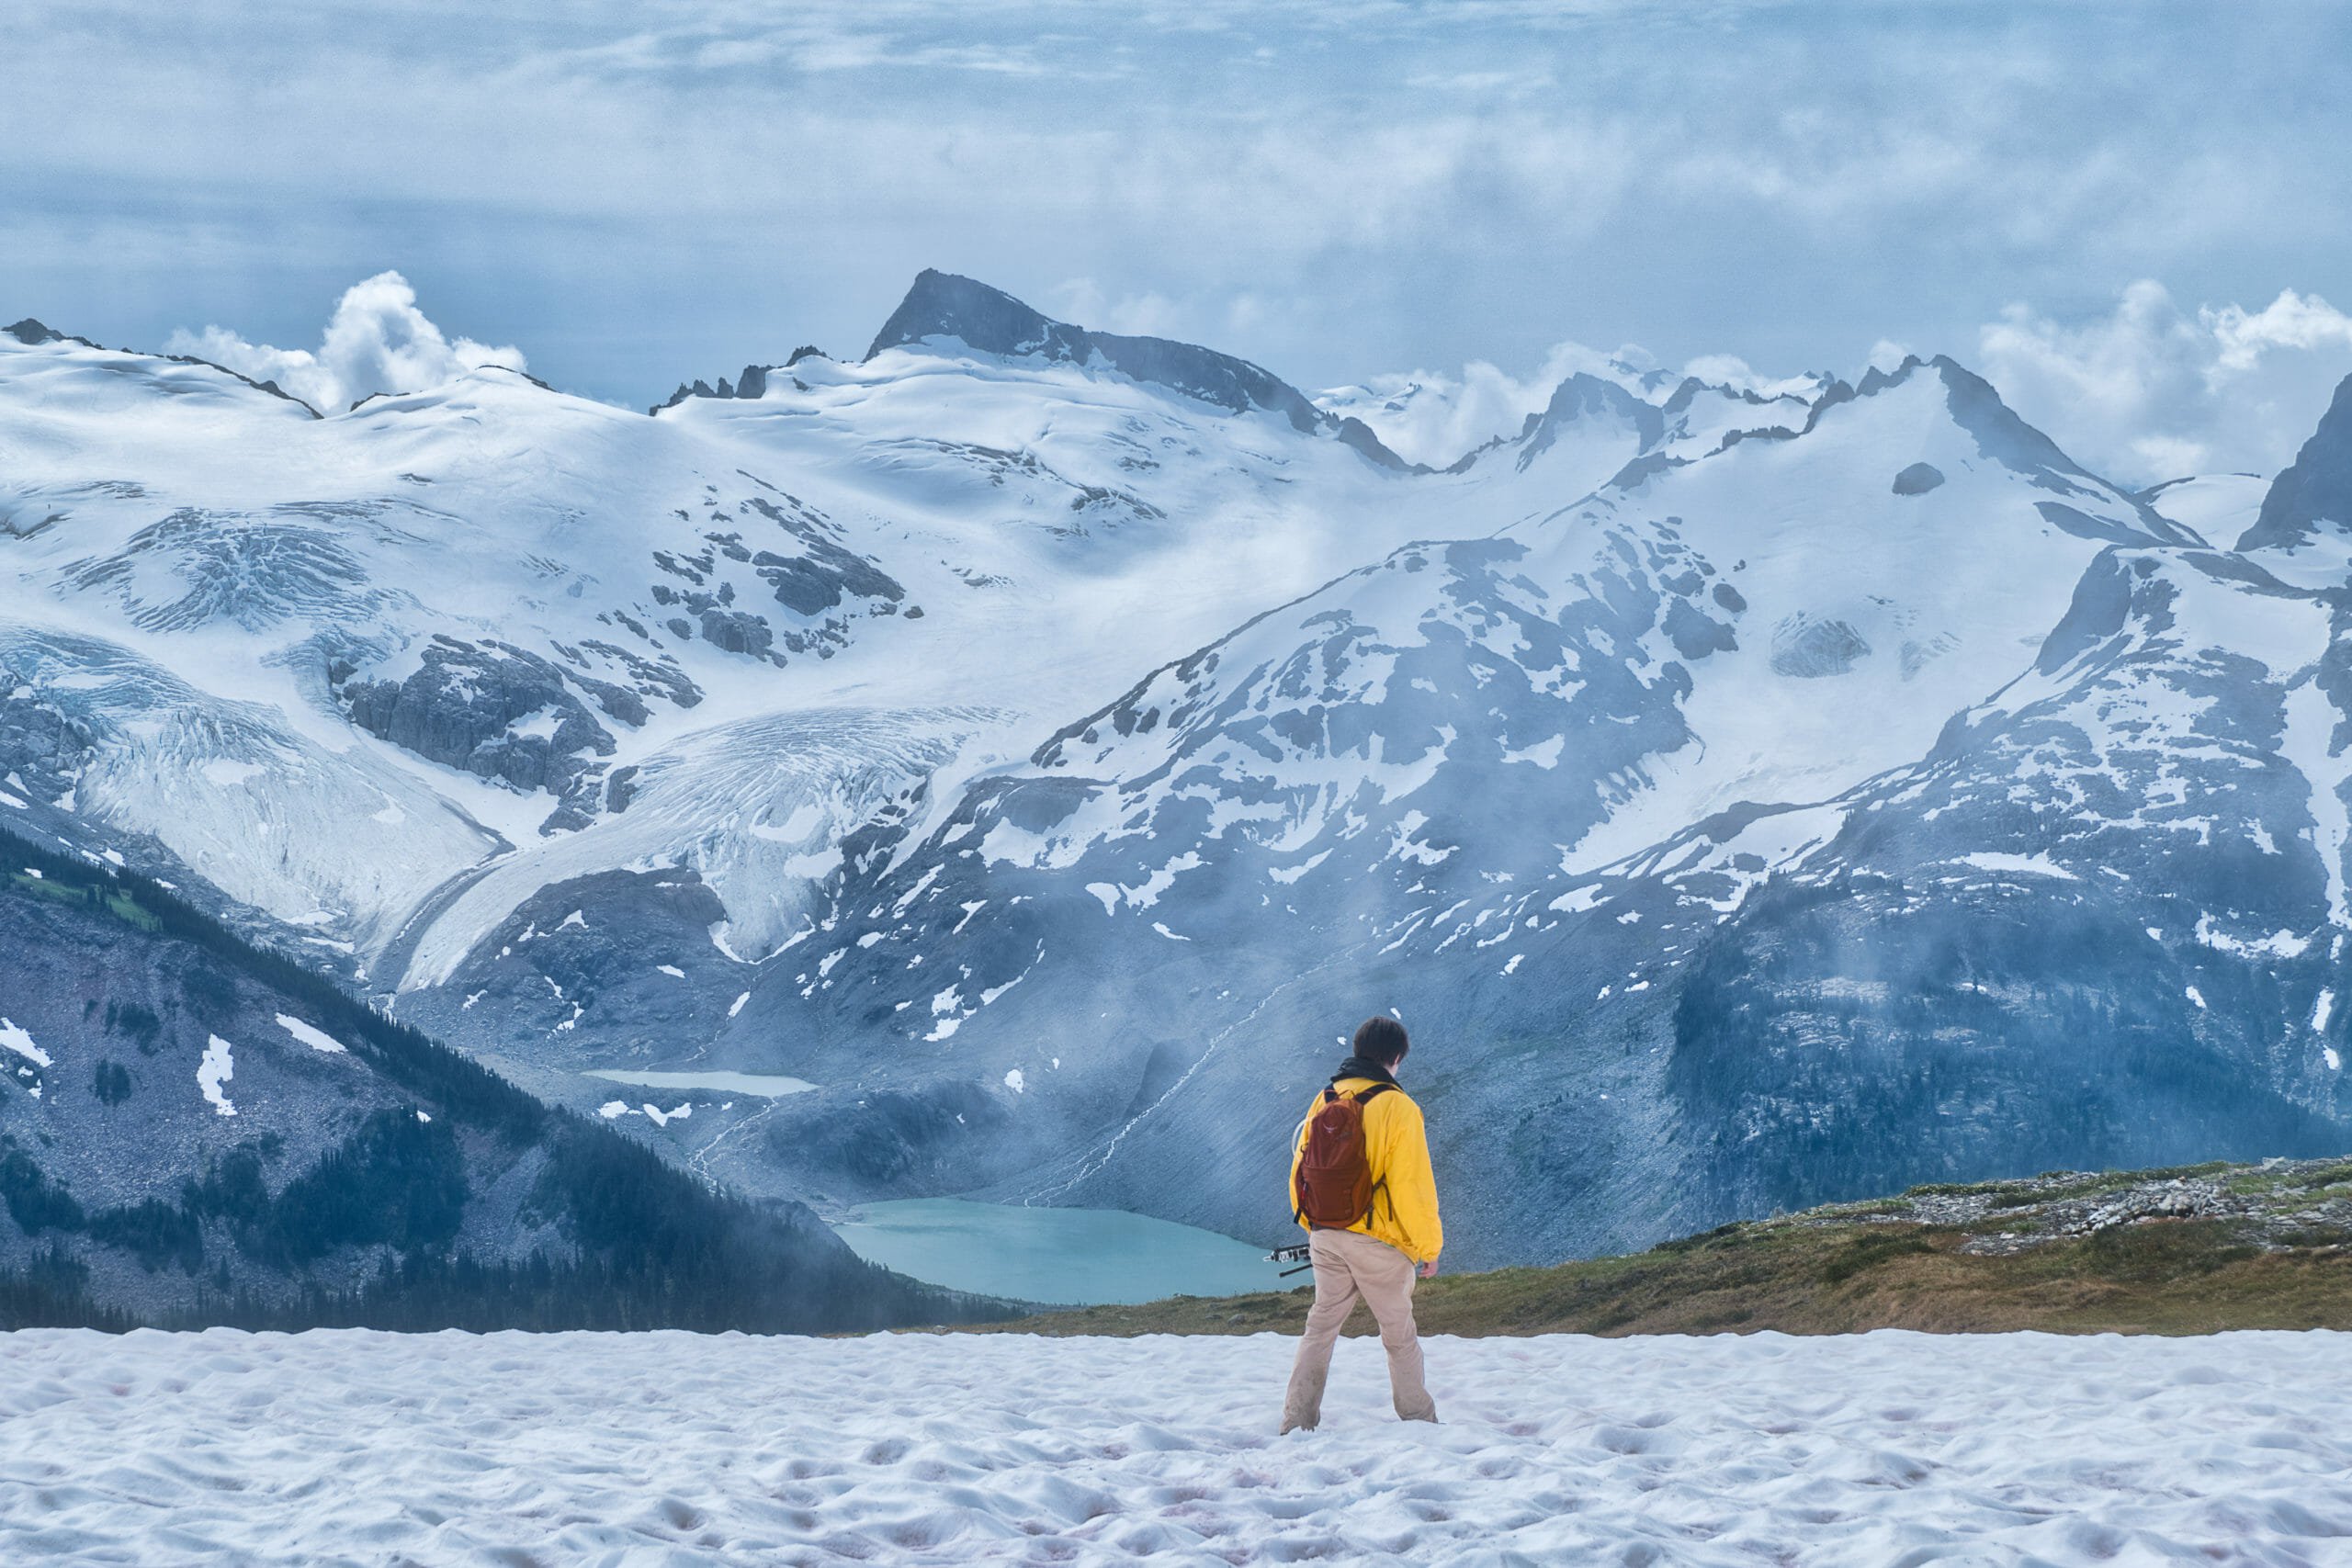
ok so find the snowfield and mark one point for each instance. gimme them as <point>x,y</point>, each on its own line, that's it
<point>1881,1448</point>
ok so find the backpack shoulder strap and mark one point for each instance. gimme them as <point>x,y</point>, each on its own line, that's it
<point>1370,1093</point>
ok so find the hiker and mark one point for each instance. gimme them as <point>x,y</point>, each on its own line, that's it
<point>1360,1186</point>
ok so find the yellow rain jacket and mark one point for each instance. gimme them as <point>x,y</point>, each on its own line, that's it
<point>1404,1194</point>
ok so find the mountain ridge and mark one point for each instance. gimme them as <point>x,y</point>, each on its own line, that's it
<point>917,729</point>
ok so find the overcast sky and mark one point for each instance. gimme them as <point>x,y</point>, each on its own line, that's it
<point>2074,197</point>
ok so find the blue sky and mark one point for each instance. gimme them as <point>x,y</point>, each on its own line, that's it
<point>633,193</point>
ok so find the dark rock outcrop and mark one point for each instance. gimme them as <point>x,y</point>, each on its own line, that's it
<point>498,713</point>
<point>461,708</point>
<point>41,752</point>
<point>633,946</point>
<point>751,383</point>
<point>814,583</point>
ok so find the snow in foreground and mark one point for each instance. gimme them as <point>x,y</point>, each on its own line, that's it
<point>1889,1447</point>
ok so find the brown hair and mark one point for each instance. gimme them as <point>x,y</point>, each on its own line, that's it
<point>1381,1039</point>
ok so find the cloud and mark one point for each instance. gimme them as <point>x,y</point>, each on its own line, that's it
<point>2145,394</point>
<point>1082,301</point>
<point>2150,392</point>
<point>376,341</point>
<point>2292,321</point>
<point>1730,370</point>
<point>1428,416</point>
<point>1887,356</point>
<point>649,189</point>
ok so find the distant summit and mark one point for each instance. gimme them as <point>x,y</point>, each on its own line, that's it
<point>942,305</point>
<point>1584,397</point>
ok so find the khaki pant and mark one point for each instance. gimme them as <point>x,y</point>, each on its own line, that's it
<point>1348,1264</point>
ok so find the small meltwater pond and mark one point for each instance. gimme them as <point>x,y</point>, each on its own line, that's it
<point>1067,1256</point>
<point>771,1085</point>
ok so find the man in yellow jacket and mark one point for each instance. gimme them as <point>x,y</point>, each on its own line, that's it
<point>1378,1255</point>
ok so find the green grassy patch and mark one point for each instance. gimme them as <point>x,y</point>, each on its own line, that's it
<point>1868,1251</point>
<point>89,895</point>
<point>2162,1277</point>
<point>2163,1252</point>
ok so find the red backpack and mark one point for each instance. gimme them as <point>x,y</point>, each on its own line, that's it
<point>1334,1187</point>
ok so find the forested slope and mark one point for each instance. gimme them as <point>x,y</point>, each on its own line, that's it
<point>194,1129</point>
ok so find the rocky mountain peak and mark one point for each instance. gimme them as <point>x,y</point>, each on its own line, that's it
<point>942,305</point>
<point>2316,488</point>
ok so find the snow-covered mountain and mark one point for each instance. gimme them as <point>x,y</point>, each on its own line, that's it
<point>1044,742</point>
<point>489,632</point>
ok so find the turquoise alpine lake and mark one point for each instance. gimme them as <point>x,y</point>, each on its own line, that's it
<point>1067,1256</point>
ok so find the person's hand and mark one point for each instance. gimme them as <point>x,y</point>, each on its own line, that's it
<point>1427,1270</point>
